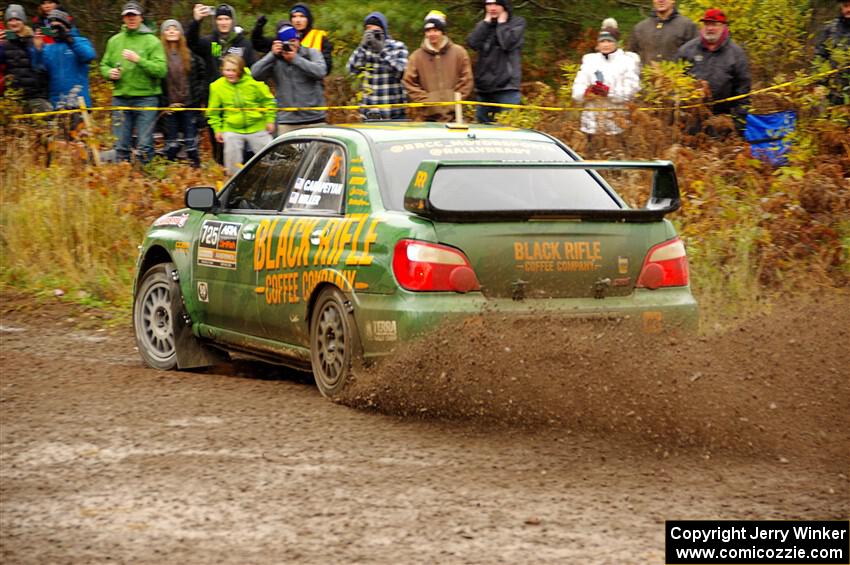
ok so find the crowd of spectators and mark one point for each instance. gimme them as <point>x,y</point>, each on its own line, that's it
<point>47,60</point>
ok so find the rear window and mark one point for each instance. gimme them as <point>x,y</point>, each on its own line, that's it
<point>483,188</point>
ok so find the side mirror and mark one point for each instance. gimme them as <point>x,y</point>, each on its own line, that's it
<point>201,198</point>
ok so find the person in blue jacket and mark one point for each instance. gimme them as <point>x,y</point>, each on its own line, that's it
<point>66,61</point>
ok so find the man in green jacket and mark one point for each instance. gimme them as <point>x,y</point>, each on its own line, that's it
<point>135,63</point>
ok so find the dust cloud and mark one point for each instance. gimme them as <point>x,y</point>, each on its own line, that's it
<point>778,383</point>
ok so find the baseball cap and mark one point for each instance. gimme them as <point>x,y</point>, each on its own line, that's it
<point>714,15</point>
<point>131,8</point>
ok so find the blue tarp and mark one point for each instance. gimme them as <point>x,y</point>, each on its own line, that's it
<point>766,134</point>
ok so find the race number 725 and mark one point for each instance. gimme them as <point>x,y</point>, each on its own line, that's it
<point>209,234</point>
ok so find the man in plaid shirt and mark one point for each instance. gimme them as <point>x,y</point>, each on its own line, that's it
<point>381,61</point>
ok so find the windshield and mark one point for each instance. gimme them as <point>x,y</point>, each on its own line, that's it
<point>490,188</point>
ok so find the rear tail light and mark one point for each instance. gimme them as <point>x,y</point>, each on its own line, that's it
<point>423,266</point>
<point>666,264</point>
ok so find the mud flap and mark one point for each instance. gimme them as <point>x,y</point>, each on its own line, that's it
<point>191,353</point>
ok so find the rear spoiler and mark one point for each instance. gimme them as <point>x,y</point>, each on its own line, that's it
<point>664,198</point>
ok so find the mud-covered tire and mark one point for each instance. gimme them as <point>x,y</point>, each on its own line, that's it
<point>154,318</point>
<point>334,343</point>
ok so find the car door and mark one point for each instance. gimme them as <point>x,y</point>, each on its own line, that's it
<point>225,278</point>
<point>297,249</point>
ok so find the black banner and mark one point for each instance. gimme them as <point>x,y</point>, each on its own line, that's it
<point>761,542</point>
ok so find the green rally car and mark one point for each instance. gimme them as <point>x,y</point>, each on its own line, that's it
<point>336,244</point>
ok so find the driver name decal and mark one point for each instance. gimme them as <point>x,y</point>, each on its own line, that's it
<point>217,244</point>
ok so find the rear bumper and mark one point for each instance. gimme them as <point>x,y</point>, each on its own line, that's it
<point>385,321</point>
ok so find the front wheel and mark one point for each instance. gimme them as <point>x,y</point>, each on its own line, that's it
<point>333,343</point>
<point>154,317</point>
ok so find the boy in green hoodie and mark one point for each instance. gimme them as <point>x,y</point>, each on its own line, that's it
<point>236,129</point>
<point>135,63</point>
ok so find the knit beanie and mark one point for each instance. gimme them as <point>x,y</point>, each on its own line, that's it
<point>435,19</point>
<point>302,9</point>
<point>15,12</point>
<point>610,31</point>
<point>286,33</point>
<point>225,10</point>
<point>168,23</point>
<point>59,16</point>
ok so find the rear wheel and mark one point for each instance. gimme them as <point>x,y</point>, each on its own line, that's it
<point>154,317</point>
<point>333,340</point>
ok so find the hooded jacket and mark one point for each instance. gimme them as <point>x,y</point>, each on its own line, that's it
<point>310,37</point>
<point>22,70</point>
<point>381,72</point>
<point>620,72</point>
<point>726,70</point>
<point>835,37</point>
<point>654,39</point>
<point>67,66</point>
<point>137,79</point>
<point>298,83</point>
<point>434,75</point>
<point>214,46</point>
<point>246,93</point>
<point>499,47</point>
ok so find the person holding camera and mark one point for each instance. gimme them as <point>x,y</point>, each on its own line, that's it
<point>41,18</point>
<point>66,60</point>
<point>135,64</point>
<point>380,61</point>
<point>19,57</point>
<point>248,128</point>
<point>226,39</point>
<point>297,74</point>
<point>498,39</point>
<point>301,18</point>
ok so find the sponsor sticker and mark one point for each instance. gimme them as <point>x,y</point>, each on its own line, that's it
<point>175,220</point>
<point>203,291</point>
<point>218,243</point>
<point>382,330</point>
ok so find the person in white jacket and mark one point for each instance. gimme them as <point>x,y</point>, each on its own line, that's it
<point>608,78</point>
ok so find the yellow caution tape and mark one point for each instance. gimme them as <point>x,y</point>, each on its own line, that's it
<point>802,80</point>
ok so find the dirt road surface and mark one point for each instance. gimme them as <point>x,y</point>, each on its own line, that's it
<point>490,444</point>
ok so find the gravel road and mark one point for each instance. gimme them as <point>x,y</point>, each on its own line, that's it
<point>490,449</point>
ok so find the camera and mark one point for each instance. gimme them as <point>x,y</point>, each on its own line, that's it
<point>377,34</point>
<point>288,47</point>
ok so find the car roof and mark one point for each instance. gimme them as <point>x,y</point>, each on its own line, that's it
<point>380,132</point>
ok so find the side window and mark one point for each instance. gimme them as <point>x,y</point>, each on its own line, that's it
<point>320,183</point>
<point>265,183</point>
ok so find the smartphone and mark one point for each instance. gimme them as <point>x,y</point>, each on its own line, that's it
<point>11,35</point>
